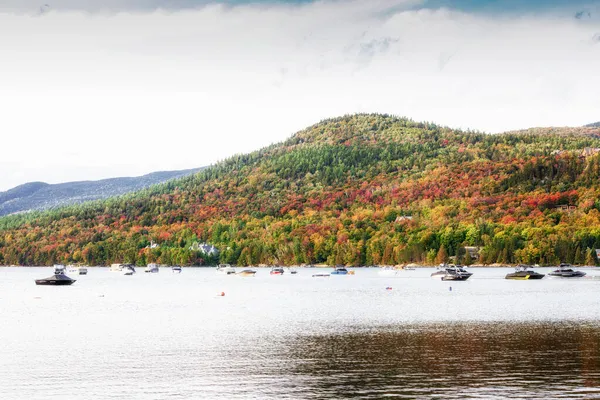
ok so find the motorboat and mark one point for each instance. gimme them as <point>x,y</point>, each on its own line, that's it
<point>176,269</point>
<point>387,271</point>
<point>77,269</point>
<point>225,269</point>
<point>152,268</point>
<point>58,279</point>
<point>566,271</point>
<point>127,269</point>
<point>277,270</point>
<point>339,270</point>
<point>323,275</point>
<point>523,272</point>
<point>292,271</point>
<point>456,273</point>
<point>246,272</point>
<point>82,270</point>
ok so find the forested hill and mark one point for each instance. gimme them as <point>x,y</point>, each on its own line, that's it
<point>594,125</point>
<point>355,190</point>
<point>42,196</point>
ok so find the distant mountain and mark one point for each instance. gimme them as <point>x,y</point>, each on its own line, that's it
<point>594,125</point>
<point>42,196</point>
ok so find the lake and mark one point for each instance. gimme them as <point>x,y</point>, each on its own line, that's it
<point>170,336</point>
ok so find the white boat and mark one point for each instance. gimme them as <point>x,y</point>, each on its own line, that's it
<point>152,268</point>
<point>246,272</point>
<point>82,270</point>
<point>127,269</point>
<point>388,271</point>
<point>116,267</point>
<point>176,269</point>
<point>225,269</point>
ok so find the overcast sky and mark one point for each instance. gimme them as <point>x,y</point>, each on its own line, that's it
<point>96,89</point>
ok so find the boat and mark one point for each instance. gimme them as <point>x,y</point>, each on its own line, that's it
<point>292,271</point>
<point>455,273</point>
<point>152,268</point>
<point>176,269</point>
<point>566,271</point>
<point>387,271</point>
<point>116,267</point>
<point>82,270</point>
<point>58,279</point>
<point>225,269</point>
<point>522,272</point>
<point>277,270</point>
<point>127,269</point>
<point>322,275</point>
<point>246,272</point>
<point>339,270</point>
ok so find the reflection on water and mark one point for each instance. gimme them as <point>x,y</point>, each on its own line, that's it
<point>452,361</point>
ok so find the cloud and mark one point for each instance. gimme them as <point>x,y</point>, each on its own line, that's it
<point>159,90</point>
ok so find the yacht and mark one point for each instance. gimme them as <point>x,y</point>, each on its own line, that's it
<point>246,272</point>
<point>82,270</point>
<point>226,269</point>
<point>339,270</point>
<point>58,279</point>
<point>152,268</point>
<point>176,269</point>
<point>522,272</point>
<point>566,271</point>
<point>277,270</point>
<point>454,273</point>
<point>441,271</point>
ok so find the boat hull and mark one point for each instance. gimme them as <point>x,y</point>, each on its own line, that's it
<point>527,277</point>
<point>53,282</point>
<point>576,274</point>
<point>455,277</point>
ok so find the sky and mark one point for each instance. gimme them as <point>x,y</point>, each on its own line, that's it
<point>98,89</point>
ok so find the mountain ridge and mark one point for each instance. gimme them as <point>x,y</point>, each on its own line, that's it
<point>41,195</point>
<point>362,189</point>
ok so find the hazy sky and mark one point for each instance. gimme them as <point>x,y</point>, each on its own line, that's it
<point>96,89</point>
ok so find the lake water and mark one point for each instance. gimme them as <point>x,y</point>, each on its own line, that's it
<point>169,336</point>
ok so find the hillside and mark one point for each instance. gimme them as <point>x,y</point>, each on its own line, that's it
<point>42,196</point>
<point>355,190</point>
<point>594,125</point>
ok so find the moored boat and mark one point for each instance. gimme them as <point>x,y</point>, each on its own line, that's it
<point>152,268</point>
<point>456,273</point>
<point>339,270</point>
<point>566,271</point>
<point>277,270</point>
<point>82,270</point>
<point>176,269</point>
<point>523,272</point>
<point>322,275</point>
<point>58,279</point>
<point>246,272</point>
<point>225,269</point>
<point>127,269</point>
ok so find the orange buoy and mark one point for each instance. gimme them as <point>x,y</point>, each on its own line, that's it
<point>221,294</point>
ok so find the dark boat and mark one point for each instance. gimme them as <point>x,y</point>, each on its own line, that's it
<point>522,272</point>
<point>58,279</point>
<point>276,270</point>
<point>339,270</point>
<point>566,271</point>
<point>456,273</point>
